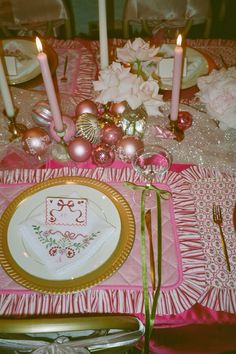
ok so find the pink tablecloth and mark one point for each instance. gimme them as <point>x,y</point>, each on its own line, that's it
<point>193,263</point>
<point>196,293</point>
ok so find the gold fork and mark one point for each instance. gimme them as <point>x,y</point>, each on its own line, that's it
<point>218,219</point>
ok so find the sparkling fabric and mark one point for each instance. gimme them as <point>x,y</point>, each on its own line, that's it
<point>204,143</point>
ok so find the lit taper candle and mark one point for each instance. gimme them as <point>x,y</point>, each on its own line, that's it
<point>177,75</point>
<point>47,78</point>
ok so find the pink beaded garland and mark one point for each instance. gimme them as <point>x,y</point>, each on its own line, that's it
<point>127,148</point>
<point>103,155</point>
<point>69,130</point>
<point>79,149</point>
<point>86,106</point>
<point>111,134</point>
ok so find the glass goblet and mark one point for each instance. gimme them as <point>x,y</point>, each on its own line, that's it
<point>151,163</point>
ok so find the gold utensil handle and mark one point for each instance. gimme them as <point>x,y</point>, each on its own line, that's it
<point>224,248</point>
<point>65,65</point>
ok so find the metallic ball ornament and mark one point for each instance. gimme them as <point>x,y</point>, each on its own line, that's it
<point>103,155</point>
<point>118,108</point>
<point>80,149</point>
<point>184,120</point>
<point>35,141</point>
<point>41,114</point>
<point>86,106</point>
<point>88,126</point>
<point>133,121</point>
<point>111,134</point>
<point>127,148</point>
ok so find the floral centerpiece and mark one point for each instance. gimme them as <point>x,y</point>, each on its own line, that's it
<point>132,78</point>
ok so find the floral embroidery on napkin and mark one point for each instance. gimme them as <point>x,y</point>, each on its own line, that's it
<point>63,243</point>
<point>62,248</point>
<point>66,211</point>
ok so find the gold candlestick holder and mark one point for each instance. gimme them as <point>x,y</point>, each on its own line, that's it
<point>15,129</point>
<point>59,149</point>
<point>174,128</point>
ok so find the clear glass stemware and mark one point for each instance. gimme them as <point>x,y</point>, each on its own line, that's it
<point>151,163</point>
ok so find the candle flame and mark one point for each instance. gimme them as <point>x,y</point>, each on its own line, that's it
<point>179,40</point>
<point>39,45</point>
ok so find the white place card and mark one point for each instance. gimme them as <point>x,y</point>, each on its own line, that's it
<point>166,65</point>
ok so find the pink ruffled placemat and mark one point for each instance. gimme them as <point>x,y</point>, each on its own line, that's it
<point>183,278</point>
<point>194,269</point>
<point>208,187</point>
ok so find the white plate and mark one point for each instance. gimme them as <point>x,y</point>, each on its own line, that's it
<point>197,65</point>
<point>26,268</point>
<point>25,53</point>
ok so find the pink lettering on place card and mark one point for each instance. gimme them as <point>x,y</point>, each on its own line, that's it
<point>66,211</point>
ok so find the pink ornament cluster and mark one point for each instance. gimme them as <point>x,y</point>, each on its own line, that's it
<point>112,142</point>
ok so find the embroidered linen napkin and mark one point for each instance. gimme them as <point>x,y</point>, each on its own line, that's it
<point>62,236</point>
<point>25,55</point>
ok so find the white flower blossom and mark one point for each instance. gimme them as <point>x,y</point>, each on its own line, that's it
<point>117,84</point>
<point>138,50</point>
<point>218,93</point>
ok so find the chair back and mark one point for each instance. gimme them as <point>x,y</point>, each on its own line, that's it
<point>70,335</point>
<point>44,17</point>
<point>157,14</point>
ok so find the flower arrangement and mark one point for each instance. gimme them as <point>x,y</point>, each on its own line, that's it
<point>132,78</point>
<point>218,93</point>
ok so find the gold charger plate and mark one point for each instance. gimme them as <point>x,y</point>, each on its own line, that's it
<point>28,70</point>
<point>25,269</point>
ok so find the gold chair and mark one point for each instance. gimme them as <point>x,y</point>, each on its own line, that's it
<point>45,17</point>
<point>154,15</point>
<point>70,335</point>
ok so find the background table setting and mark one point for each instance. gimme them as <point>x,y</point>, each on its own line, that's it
<point>198,284</point>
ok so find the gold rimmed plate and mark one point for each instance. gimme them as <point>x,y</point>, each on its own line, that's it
<point>28,73</point>
<point>24,264</point>
<point>198,64</point>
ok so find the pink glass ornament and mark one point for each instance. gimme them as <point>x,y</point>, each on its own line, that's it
<point>184,120</point>
<point>41,114</point>
<point>127,148</point>
<point>111,134</point>
<point>86,106</point>
<point>79,149</point>
<point>69,130</point>
<point>103,155</point>
<point>35,141</point>
<point>118,108</point>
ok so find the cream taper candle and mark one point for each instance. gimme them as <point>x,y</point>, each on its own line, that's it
<point>176,82</point>
<point>47,78</point>
<point>6,95</point>
<point>103,41</point>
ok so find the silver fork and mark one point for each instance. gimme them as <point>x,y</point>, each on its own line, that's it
<point>218,219</point>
